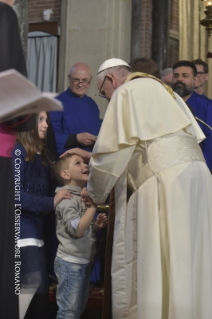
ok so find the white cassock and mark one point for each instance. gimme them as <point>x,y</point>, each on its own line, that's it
<point>162,249</point>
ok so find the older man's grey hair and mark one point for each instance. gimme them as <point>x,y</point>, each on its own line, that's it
<point>166,72</point>
<point>120,71</point>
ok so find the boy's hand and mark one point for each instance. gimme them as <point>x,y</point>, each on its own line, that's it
<point>101,221</point>
<point>63,193</point>
<point>86,198</point>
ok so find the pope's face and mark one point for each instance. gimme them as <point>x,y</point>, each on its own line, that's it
<point>79,81</point>
<point>106,87</point>
<point>183,81</point>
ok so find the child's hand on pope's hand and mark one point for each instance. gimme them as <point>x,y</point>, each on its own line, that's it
<point>101,220</point>
<point>86,198</point>
<point>62,194</point>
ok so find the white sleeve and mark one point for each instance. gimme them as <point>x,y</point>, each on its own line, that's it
<point>105,169</point>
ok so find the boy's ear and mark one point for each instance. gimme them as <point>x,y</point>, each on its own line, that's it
<point>65,174</point>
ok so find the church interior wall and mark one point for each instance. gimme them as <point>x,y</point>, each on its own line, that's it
<point>173,50</point>
<point>146,28</point>
<point>36,8</point>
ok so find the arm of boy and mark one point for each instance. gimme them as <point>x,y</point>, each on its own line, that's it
<point>88,217</point>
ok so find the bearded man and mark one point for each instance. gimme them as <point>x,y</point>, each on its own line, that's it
<point>183,82</point>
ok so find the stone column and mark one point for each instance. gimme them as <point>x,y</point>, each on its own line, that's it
<point>21,9</point>
<point>91,32</point>
<point>136,29</point>
<point>160,29</point>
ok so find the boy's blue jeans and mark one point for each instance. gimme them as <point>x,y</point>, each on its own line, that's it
<point>73,288</point>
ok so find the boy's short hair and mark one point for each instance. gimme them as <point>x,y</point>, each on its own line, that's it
<point>59,165</point>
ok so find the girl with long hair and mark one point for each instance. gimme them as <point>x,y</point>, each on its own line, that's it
<point>32,201</point>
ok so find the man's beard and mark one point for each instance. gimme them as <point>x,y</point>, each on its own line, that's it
<point>183,90</point>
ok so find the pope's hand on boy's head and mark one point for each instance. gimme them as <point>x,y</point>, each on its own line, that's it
<point>78,151</point>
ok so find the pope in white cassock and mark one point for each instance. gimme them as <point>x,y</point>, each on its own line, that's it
<point>162,248</point>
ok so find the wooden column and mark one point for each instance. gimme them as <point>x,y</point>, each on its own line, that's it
<point>136,29</point>
<point>21,9</point>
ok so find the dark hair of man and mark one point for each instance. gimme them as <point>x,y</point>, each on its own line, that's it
<point>187,64</point>
<point>145,65</point>
<point>201,62</point>
<point>33,144</point>
<point>61,164</point>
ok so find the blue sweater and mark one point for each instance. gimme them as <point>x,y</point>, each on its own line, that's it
<point>81,115</point>
<point>203,109</point>
<point>33,179</point>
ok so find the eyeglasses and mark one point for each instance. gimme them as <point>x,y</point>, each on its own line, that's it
<point>100,90</point>
<point>78,81</point>
<point>200,73</point>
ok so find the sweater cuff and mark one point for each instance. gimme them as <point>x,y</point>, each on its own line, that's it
<point>49,204</point>
<point>72,142</point>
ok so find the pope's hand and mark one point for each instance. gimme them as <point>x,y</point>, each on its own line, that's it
<point>86,139</point>
<point>78,151</point>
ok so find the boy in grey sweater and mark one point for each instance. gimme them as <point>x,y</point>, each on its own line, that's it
<point>75,230</point>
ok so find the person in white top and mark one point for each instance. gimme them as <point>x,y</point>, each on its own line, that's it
<point>162,246</point>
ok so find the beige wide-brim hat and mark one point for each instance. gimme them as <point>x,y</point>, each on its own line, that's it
<point>112,63</point>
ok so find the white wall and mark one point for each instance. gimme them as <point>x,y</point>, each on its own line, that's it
<point>91,32</point>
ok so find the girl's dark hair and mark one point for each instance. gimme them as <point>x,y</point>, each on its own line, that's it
<point>33,144</point>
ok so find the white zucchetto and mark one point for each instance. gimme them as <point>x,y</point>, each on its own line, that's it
<point>112,63</point>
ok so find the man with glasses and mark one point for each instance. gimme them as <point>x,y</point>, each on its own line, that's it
<point>184,77</point>
<point>79,124</point>
<point>162,235</point>
<point>201,78</point>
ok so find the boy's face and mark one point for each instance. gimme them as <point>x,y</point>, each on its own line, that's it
<point>77,171</point>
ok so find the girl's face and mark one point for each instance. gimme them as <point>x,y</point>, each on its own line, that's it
<point>42,125</point>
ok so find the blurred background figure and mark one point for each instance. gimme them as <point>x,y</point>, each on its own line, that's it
<point>145,65</point>
<point>166,76</point>
<point>202,76</point>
